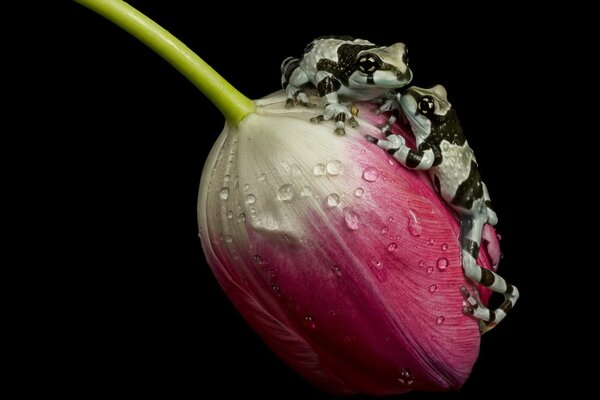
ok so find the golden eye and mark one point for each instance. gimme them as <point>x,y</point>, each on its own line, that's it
<point>368,63</point>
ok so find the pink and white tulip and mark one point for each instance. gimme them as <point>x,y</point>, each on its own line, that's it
<point>345,263</point>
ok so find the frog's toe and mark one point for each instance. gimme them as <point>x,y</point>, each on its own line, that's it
<point>289,103</point>
<point>353,122</point>
<point>318,119</point>
<point>340,131</point>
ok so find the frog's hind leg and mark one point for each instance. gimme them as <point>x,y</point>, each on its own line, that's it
<point>471,228</point>
<point>293,78</point>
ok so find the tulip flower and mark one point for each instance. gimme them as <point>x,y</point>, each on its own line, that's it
<point>344,262</point>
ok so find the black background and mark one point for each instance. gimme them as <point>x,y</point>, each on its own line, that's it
<point>111,145</point>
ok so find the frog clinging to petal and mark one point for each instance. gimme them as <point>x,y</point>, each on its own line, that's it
<point>344,70</point>
<point>442,150</point>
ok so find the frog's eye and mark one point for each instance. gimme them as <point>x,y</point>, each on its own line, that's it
<point>368,63</point>
<point>426,106</point>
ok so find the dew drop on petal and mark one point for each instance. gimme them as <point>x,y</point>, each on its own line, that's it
<point>406,377</point>
<point>271,273</point>
<point>351,219</point>
<point>359,192</point>
<point>370,174</point>
<point>429,270</point>
<point>431,241</point>
<point>433,288</point>
<point>444,246</point>
<point>319,169</point>
<point>276,290</point>
<point>336,270</point>
<point>226,178</point>
<point>442,263</point>
<point>310,322</point>
<point>305,191</point>
<point>379,270</point>
<point>224,193</point>
<point>391,219</point>
<point>440,320</point>
<point>229,214</point>
<point>333,199</point>
<point>262,177</point>
<point>285,193</point>
<point>414,226</point>
<point>384,230</point>
<point>392,247</point>
<point>421,263</point>
<point>335,167</point>
<point>241,217</point>
<point>228,238</point>
<point>250,199</point>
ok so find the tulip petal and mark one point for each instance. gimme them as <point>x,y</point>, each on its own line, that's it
<point>345,263</point>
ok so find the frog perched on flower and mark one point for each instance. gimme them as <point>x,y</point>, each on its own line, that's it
<point>344,70</point>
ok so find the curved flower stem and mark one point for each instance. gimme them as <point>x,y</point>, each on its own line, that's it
<point>234,105</point>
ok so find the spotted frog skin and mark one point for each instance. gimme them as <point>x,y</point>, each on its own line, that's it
<point>344,70</point>
<point>442,150</point>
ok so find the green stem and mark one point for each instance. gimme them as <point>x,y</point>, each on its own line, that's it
<point>234,105</point>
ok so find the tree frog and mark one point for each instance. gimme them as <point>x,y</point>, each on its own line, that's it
<point>344,70</point>
<point>442,150</point>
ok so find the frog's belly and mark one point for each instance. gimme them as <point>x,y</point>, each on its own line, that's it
<point>454,168</point>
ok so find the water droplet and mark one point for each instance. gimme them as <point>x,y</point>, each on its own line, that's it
<point>246,187</point>
<point>250,199</point>
<point>363,151</point>
<point>432,288</point>
<point>391,162</point>
<point>440,320</point>
<point>320,169</point>
<point>429,270</point>
<point>229,214</point>
<point>392,247</point>
<point>228,238</point>
<point>335,167</point>
<point>391,219</point>
<point>384,230</point>
<point>257,258</point>
<point>224,193</point>
<point>295,170</point>
<point>406,377</point>
<point>336,270</point>
<point>241,217</point>
<point>414,226</point>
<point>444,246</point>
<point>379,270</point>
<point>431,241</point>
<point>285,193</point>
<point>351,219</point>
<point>442,263</point>
<point>310,322</point>
<point>421,263</point>
<point>276,290</point>
<point>226,178</point>
<point>271,273</point>
<point>370,174</point>
<point>359,192</point>
<point>333,199</point>
<point>305,191</point>
<point>262,177</point>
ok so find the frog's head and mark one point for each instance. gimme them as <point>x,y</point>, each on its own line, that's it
<point>427,109</point>
<point>385,67</point>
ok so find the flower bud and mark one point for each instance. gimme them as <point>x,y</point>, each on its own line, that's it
<point>346,263</point>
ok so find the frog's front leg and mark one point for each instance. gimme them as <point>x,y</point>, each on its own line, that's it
<point>470,237</point>
<point>327,87</point>
<point>421,159</point>
<point>293,78</point>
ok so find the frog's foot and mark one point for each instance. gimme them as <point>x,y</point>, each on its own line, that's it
<point>298,97</point>
<point>488,319</point>
<point>338,113</point>
<point>386,128</point>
